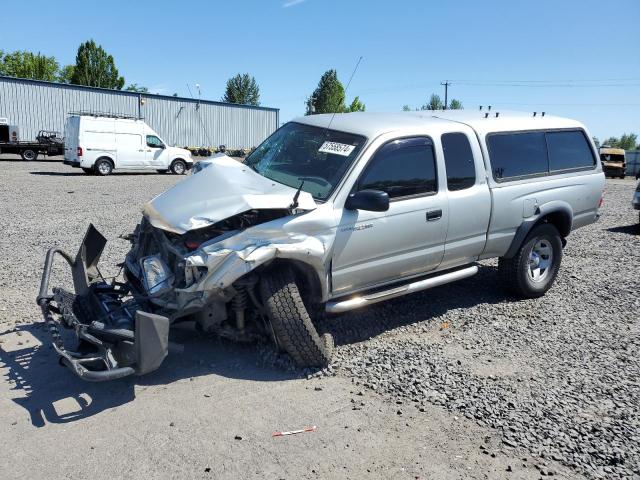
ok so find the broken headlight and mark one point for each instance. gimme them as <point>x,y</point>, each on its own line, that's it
<point>157,276</point>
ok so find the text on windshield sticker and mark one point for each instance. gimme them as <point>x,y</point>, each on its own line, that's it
<point>337,148</point>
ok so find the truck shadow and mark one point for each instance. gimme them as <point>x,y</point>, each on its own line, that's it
<point>360,325</point>
<point>628,229</point>
<point>50,393</point>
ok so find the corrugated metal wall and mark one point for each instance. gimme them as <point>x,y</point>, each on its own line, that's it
<point>35,105</point>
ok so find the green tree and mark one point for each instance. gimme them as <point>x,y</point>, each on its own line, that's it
<point>135,88</point>
<point>96,68</point>
<point>612,142</point>
<point>23,64</point>
<point>435,103</point>
<point>596,141</point>
<point>455,104</point>
<point>66,74</point>
<point>356,106</point>
<point>242,89</point>
<point>628,141</point>
<point>406,108</point>
<point>328,97</point>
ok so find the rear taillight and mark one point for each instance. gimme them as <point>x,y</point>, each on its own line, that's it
<point>79,151</point>
<point>601,202</point>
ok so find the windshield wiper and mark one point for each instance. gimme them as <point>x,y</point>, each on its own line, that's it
<point>294,204</point>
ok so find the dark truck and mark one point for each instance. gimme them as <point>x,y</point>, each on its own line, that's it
<point>47,143</point>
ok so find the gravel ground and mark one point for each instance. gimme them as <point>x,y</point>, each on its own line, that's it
<point>558,375</point>
<point>552,380</point>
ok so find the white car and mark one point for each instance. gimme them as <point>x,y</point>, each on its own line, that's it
<point>101,144</point>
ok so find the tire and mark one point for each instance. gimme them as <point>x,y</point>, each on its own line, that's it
<point>103,167</point>
<point>543,246</point>
<point>29,155</point>
<point>178,167</point>
<point>291,323</point>
<point>88,171</point>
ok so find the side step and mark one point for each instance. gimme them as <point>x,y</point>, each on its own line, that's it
<point>364,300</point>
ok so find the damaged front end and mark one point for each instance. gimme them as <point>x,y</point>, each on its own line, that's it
<point>194,257</point>
<point>116,337</point>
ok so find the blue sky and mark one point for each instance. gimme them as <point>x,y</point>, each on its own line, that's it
<point>574,58</point>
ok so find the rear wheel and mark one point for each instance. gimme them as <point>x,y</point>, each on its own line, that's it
<point>533,269</point>
<point>29,155</point>
<point>178,167</point>
<point>103,167</point>
<point>292,326</point>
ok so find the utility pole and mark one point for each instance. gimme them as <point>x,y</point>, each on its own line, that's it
<point>446,93</point>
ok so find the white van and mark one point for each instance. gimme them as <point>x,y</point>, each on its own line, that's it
<point>100,144</point>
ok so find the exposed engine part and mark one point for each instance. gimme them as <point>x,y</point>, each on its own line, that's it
<point>239,302</point>
<point>211,316</point>
<point>239,305</point>
<point>193,239</point>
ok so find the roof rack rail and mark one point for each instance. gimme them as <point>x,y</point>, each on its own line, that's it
<point>89,113</point>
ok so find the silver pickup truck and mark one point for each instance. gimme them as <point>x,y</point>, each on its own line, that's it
<point>330,214</point>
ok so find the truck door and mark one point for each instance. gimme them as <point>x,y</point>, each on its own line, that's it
<point>469,198</point>
<point>377,247</point>
<point>156,152</point>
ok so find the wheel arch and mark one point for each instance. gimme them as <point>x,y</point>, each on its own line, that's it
<point>557,213</point>
<point>105,157</point>
<point>315,286</point>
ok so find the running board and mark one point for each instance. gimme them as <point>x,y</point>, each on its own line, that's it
<point>364,300</point>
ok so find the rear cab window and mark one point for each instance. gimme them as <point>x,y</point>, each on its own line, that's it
<point>458,161</point>
<point>403,168</point>
<point>517,155</point>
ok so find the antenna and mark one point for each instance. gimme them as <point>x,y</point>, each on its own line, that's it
<point>346,88</point>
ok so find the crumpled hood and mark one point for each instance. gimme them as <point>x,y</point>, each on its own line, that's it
<point>225,188</point>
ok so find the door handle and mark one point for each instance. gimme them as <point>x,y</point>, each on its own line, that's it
<point>141,150</point>
<point>433,215</point>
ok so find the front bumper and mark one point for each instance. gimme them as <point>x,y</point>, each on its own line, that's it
<point>115,338</point>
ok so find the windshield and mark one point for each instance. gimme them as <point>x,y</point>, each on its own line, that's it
<point>297,153</point>
<point>611,157</point>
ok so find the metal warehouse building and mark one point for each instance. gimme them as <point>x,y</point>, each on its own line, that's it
<point>34,105</point>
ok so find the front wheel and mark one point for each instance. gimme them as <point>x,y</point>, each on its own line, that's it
<point>178,167</point>
<point>533,269</point>
<point>29,155</point>
<point>293,328</point>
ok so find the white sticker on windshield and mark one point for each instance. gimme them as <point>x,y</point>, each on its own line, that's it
<point>337,148</point>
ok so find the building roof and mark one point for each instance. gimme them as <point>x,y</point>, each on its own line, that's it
<point>130,93</point>
<point>374,124</point>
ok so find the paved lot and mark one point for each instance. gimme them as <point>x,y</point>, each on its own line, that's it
<point>467,341</point>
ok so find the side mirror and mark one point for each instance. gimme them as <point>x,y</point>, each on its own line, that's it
<point>368,200</point>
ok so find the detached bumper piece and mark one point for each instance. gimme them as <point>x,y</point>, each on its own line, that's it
<point>115,338</point>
